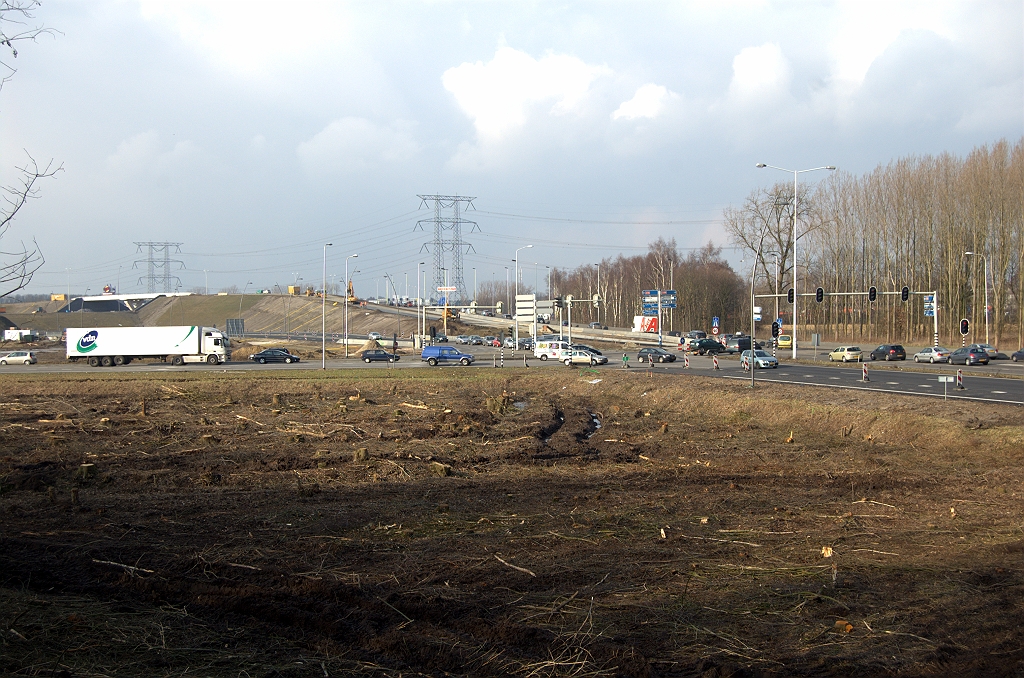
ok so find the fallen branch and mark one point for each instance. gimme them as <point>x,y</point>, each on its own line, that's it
<point>248,567</point>
<point>515,567</point>
<point>248,419</point>
<point>128,568</point>
<point>723,541</point>
<point>418,407</point>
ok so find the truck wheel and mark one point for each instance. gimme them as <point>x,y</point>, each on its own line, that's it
<point>213,359</point>
<point>107,361</point>
<point>120,360</point>
<point>94,361</point>
<point>177,360</point>
<point>465,361</point>
<point>432,362</point>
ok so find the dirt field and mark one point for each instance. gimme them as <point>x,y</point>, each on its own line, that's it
<point>485,522</point>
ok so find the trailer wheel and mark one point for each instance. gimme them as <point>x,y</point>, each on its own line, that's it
<point>177,360</point>
<point>120,360</point>
<point>94,361</point>
<point>107,361</point>
<point>213,359</point>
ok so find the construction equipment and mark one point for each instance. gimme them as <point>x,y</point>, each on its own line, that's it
<point>351,298</point>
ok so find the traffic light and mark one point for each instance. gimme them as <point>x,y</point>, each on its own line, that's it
<point>790,295</point>
<point>558,302</point>
<point>775,329</point>
<point>819,295</point>
<point>905,293</point>
<point>597,301</point>
<point>872,293</point>
<point>965,327</point>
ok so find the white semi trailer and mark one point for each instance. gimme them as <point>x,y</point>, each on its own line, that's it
<point>177,345</point>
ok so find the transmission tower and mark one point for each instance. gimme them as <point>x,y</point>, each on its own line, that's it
<point>159,270</point>
<point>448,238</point>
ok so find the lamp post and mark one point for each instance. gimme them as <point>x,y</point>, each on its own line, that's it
<point>240,302</point>
<point>508,304</point>
<point>207,274</point>
<point>796,293</point>
<point>985,259</point>
<point>323,314</point>
<point>419,304</point>
<point>549,281</point>
<point>347,283</point>
<point>515,316</point>
<point>598,264</point>
<point>474,283</point>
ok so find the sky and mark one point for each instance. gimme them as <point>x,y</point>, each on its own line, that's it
<point>255,132</point>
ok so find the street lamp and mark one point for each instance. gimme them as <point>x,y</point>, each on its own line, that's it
<point>205,273</point>
<point>515,322</point>
<point>419,304</point>
<point>474,283</point>
<point>796,294</point>
<point>323,314</point>
<point>351,256</point>
<point>985,259</point>
<point>549,282</point>
<point>598,264</point>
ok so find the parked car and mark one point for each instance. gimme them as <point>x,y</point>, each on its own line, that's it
<point>707,347</point>
<point>991,350</point>
<point>736,343</point>
<point>582,357</point>
<point>441,338</point>
<point>932,354</point>
<point>274,355</point>
<point>654,355</point>
<point>510,342</point>
<point>846,354</point>
<point>374,336</point>
<point>785,341</point>
<point>762,359</point>
<point>968,355</point>
<point>436,355</point>
<point>1017,356</point>
<point>584,347</point>
<point>379,355</point>
<point>476,340</point>
<point>462,339</point>
<point>492,341</point>
<point>889,352</point>
<point>15,357</point>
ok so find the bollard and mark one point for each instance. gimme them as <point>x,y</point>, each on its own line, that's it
<point>502,351</point>
<point>864,371</point>
<point>960,380</point>
<point>494,360</point>
<point>714,360</point>
<point>686,360</point>
<point>524,361</point>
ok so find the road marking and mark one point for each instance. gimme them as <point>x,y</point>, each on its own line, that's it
<point>1001,392</point>
<point>893,383</point>
<point>836,378</point>
<point>809,376</point>
<point>925,385</point>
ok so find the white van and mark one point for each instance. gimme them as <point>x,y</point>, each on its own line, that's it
<point>554,349</point>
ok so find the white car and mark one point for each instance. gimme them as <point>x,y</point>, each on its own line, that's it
<point>763,359</point>
<point>18,357</point>
<point>932,355</point>
<point>846,354</point>
<point>374,336</point>
<point>581,357</point>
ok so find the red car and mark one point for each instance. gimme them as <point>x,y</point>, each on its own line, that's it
<point>492,341</point>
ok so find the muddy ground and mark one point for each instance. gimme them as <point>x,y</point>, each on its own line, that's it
<point>455,522</point>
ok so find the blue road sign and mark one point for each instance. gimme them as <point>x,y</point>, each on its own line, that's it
<point>714,321</point>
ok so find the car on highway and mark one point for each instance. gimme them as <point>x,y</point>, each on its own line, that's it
<point>968,355</point>
<point>582,357</point>
<point>889,352</point>
<point>932,354</point>
<point>707,347</point>
<point>652,354</point>
<point>991,350</point>
<point>1017,356</point>
<point>448,355</point>
<point>18,357</point>
<point>845,354</point>
<point>476,340</point>
<point>762,359</point>
<point>487,313</point>
<point>462,339</point>
<point>584,347</point>
<point>441,338</point>
<point>379,355</point>
<point>374,336</point>
<point>785,341</point>
<point>596,326</point>
<point>736,343</point>
<point>274,355</point>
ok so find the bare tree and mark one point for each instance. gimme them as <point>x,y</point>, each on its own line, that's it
<point>18,264</point>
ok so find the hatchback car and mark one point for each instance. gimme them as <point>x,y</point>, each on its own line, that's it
<point>654,355</point>
<point>492,341</point>
<point>379,355</point>
<point>889,352</point>
<point>476,340</point>
<point>18,358</point>
<point>274,355</point>
<point>374,336</point>
<point>1017,356</point>
<point>582,357</point>
<point>846,354</point>
<point>596,326</point>
<point>707,347</point>
<point>991,350</point>
<point>762,359</point>
<point>785,341</point>
<point>736,343</point>
<point>932,354</point>
<point>462,339</point>
<point>968,355</point>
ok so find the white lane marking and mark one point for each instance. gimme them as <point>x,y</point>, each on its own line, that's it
<point>925,385</point>
<point>836,378</point>
<point>809,376</point>
<point>1003,392</point>
<point>893,383</point>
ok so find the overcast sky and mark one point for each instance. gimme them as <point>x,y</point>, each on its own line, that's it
<point>254,132</point>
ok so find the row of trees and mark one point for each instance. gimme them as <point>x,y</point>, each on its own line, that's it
<point>910,222</point>
<point>707,286</point>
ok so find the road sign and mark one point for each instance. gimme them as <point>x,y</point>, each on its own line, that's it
<point>929,313</point>
<point>714,330</point>
<point>949,379</point>
<point>447,289</point>
<point>929,298</point>
<point>649,293</point>
<point>757,318</point>
<point>714,321</point>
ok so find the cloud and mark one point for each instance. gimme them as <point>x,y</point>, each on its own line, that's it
<point>758,72</point>
<point>144,153</point>
<point>495,95</point>
<point>351,144</point>
<point>648,102</point>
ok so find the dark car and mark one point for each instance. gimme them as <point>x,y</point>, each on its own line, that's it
<point>584,347</point>
<point>274,355</point>
<point>889,352</point>
<point>737,343</point>
<point>707,347</point>
<point>441,339</point>
<point>968,355</point>
<point>655,355</point>
<point>379,355</point>
<point>1017,356</point>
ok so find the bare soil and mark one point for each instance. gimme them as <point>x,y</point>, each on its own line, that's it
<point>477,522</point>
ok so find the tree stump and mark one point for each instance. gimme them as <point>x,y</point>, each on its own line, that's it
<point>86,472</point>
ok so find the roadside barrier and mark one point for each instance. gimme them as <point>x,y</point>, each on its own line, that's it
<point>864,371</point>
<point>502,352</point>
<point>714,359</point>
<point>686,361</point>
<point>960,380</point>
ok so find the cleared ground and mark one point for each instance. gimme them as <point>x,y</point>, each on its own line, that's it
<point>533,523</point>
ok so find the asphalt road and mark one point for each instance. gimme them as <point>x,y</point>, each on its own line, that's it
<point>899,377</point>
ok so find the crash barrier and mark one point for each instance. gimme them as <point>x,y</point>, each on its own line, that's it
<point>864,372</point>
<point>960,380</point>
<point>714,360</point>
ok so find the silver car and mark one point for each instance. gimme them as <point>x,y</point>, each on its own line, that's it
<point>763,359</point>
<point>932,354</point>
<point>18,358</point>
